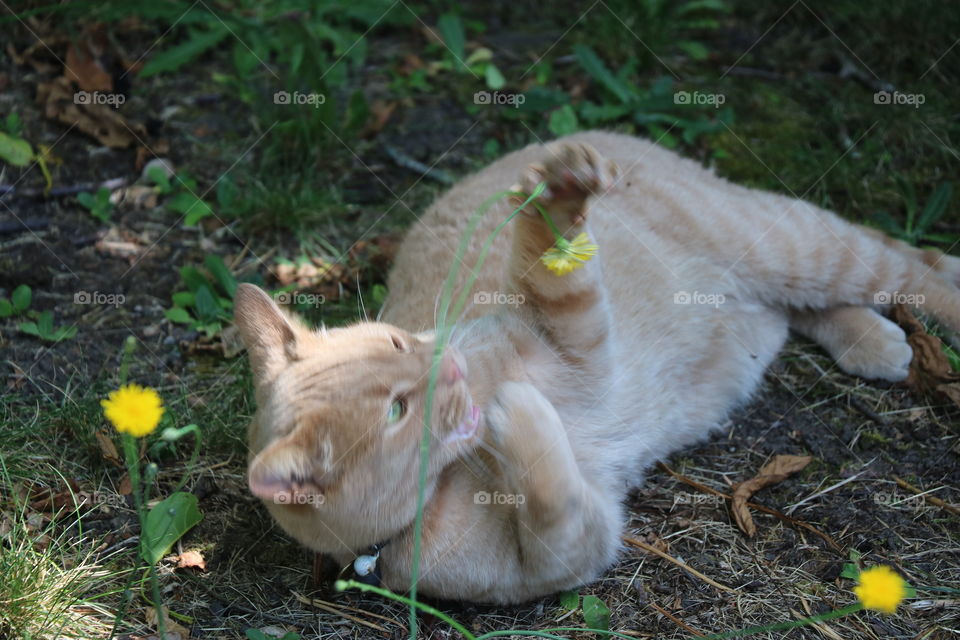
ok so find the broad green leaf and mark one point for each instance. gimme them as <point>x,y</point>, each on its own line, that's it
<point>193,208</point>
<point>15,151</point>
<point>183,299</point>
<point>227,193</point>
<point>159,178</point>
<point>595,613</point>
<point>451,30</point>
<point>563,121</point>
<point>221,274</point>
<point>30,328</point>
<point>206,305</point>
<point>178,315</point>
<point>694,49</point>
<point>14,127</point>
<point>570,600</point>
<point>494,78</point>
<point>21,298</point>
<point>166,523</point>
<point>192,277</point>
<point>6,309</point>
<point>593,65</point>
<point>175,57</point>
<point>379,294</point>
<point>87,200</point>
<point>45,324</point>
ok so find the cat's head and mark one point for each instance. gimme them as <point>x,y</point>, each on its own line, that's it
<point>335,445</point>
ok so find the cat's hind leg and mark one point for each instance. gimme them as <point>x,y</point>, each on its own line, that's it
<point>860,340</point>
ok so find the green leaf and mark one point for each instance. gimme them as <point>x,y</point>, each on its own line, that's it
<point>494,78</point>
<point>159,178</point>
<point>695,50</point>
<point>184,299</point>
<point>175,57</point>
<point>15,151</point>
<point>6,309</point>
<point>221,274</point>
<point>850,571</point>
<point>451,30</point>
<point>570,600</point>
<point>87,200</point>
<point>595,613</point>
<point>192,277</point>
<point>30,328</point>
<point>14,127</point>
<point>45,324</point>
<point>193,208</point>
<point>227,193</point>
<point>563,121</point>
<point>21,298</point>
<point>593,65</point>
<point>166,523</point>
<point>379,294</point>
<point>178,315</point>
<point>936,207</point>
<point>206,305</point>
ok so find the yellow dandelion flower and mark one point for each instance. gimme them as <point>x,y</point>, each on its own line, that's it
<point>568,255</point>
<point>133,409</point>
<point>881,589</point>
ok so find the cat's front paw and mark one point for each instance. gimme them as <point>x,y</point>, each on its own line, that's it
<point>572,172</point>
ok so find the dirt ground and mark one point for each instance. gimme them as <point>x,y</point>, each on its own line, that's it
<point>863,437</point>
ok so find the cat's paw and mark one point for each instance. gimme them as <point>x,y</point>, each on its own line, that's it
<point>572,172</point>
<point>522,423</point>
<point>881,354</point>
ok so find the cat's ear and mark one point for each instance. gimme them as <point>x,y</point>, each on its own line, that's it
<point>269,335</point>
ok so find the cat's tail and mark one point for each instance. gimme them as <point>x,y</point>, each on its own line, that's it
<point>807,257</point>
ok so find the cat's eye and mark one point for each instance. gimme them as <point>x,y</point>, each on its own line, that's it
<point>397,410</point>
<point>398,344</point>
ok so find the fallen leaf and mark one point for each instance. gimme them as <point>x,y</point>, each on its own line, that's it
<point>119,246</point>
<point>126,485</point>
<point>172,629</point>
<point>100,121</point>
<point>136,197</point>
<point>191,560</point>
<point>380,112</point>
<point>85,62</point>
<point>930,370</point>
<point>777,470</point>
<point>107,448</point>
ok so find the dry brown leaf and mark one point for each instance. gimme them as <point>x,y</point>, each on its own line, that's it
<point>930,370</point>
<point>777,470</point>
<point>191,560</point>
<point>107,448</point>
<point>126,485</point>
<point>380,112</point>
<point>100,121</point>
<point>136,197</point>
<point>84,64</point>
<point>172,629</point>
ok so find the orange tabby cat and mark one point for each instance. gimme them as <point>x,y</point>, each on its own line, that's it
<point>550,405</point>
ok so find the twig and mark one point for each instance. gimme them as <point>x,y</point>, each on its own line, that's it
<point>677,621</point>
<point>926,496</point>
<point>320,604</point>
<point>405,161</point>
<point>7,190</point>
<point>753,505</point>
<point>680,563</point>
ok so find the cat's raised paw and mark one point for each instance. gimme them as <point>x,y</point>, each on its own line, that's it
<point>571,171</point>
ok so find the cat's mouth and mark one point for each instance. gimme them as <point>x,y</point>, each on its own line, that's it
<point>468,426</point>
